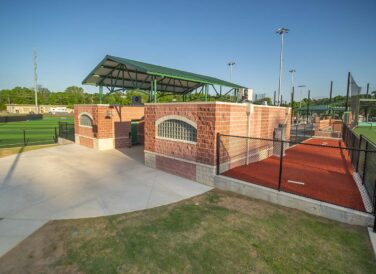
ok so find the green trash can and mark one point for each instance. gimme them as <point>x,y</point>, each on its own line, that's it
<point>134,125</point>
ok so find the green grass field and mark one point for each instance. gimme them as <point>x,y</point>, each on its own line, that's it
<point>36,131</point>
<point>218,232</point>
<point>369,132</point>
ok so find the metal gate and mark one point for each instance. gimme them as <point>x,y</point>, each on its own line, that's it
<point>66,131</point>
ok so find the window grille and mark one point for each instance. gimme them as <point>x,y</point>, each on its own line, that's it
<point>177,130</point>
<point>85,120</point>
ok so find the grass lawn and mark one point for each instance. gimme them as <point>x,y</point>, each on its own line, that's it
<point>217,232</point>
<point>369,132</point>
<point>14,150</point>
<point>36,131</point>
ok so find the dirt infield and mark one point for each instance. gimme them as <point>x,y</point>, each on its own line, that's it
<point>317,172</point>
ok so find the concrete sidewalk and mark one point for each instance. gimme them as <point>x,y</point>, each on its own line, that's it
<point>72,181</point>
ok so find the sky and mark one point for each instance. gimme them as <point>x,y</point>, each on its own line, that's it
<point>327,39</point>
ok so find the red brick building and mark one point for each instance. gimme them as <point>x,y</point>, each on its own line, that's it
<point>180,138</point>
<point>195,158</point>
<point>103,126</point>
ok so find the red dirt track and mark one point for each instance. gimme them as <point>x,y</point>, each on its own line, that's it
<point>326,173</point>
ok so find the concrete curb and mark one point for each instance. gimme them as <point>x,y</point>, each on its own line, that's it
<point>318,208</point>
<point>372,237</point>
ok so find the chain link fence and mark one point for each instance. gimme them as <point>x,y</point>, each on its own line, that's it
<point>363,159</point>
<point>319,168</point>
<point>301,132</point>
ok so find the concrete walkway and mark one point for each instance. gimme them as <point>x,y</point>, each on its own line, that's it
<point>72,181</point>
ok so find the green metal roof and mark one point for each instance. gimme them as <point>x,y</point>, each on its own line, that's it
<point>321,108</point>
<point>125,73</point>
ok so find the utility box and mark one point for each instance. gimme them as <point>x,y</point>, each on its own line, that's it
<point>279,135</point>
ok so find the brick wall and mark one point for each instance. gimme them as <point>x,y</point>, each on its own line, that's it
<point>201,114</point>
<point>87,142</point>
<point>179,168</point>
<point>263,121</point>
<point>109,122</point>
<point>328,128</point>
<point>211,118</point>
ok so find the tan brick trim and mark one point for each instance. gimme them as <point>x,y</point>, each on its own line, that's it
<point>79,135</point>
<point>87,114</point>
<point>175,117</point>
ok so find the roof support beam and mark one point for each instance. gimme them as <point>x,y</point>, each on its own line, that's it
<point>110,73</point>
<point>166,85</point>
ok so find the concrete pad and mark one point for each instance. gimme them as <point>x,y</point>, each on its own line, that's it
<point>72,181</point>
<point>14,231</point>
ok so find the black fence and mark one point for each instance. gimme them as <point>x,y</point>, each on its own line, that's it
<point>16,137</point>
<point>319,169</point>
<point>363,159</point>
<point>301,132</point>
<point>66,131</point>
<point>18,118</point>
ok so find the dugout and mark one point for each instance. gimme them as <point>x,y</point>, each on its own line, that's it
<point>179,137</point>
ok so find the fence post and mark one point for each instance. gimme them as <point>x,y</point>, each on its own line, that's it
<point>342,132</point>
<point>55,135</point>
<point>360,145</point>
<point>296,133</point>
<point>218,151</point>
<point>24,137</point>
<point>374,206</point>
<point>280,167</point>
<point>304,131</point>
<point>365,163</point>
<point>352,147</point>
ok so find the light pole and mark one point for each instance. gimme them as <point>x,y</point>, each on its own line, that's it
<point>36,83</point>
<point>231,64</point>
<point>281,31</point>
<point>292,71</point>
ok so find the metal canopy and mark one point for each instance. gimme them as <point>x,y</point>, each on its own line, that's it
<point>121,74</point>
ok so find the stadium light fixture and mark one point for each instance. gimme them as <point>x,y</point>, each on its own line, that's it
<point>231,64</point>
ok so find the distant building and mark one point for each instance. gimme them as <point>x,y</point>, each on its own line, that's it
<point>27,109</point>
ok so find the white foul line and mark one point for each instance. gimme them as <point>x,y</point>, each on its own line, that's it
<point>295,182</point>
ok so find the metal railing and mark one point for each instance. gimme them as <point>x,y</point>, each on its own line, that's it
<point>301,132</point>
<point>363,159</point>
<point>66,131</point>
<point>319,169</point>
<point>10,137</point>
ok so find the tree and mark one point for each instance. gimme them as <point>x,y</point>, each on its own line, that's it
<point>262,101</point>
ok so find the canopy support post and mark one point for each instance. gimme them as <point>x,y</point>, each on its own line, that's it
<point>100,94</point>
<point>155,90</point>
<point>151,90</point>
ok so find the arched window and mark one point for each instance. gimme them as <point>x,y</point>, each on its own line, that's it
<point>85,120</point>
<point>175,129</point>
